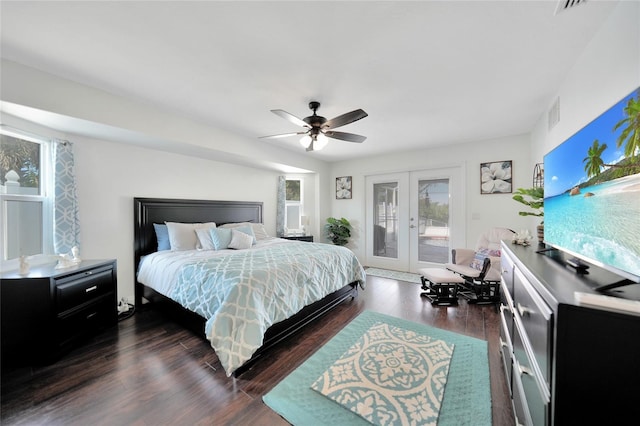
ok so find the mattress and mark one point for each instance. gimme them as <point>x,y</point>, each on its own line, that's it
<point>241,293</point>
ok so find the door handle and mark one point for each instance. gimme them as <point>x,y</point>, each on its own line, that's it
<point>412,226</point>
<point>523,310</point>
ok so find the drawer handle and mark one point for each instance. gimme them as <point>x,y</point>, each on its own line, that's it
<point>525,370</point>
<point>523,310</point>
<point>92,315</point>
<point>90,289</point>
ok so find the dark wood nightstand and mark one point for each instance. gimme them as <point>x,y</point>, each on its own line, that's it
<point>305,238</point>
<point>45,312</point>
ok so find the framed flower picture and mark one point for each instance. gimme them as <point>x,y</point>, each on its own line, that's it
<point>495,177</point>
<point>343,188</point>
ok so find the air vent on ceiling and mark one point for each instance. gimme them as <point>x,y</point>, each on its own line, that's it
<point>568,4</point>
<point>554,114</point>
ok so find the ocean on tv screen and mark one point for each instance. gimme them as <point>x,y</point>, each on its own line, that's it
<point>601,222</point>
<point>592,190</point>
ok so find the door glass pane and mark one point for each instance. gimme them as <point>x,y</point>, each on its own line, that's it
<point>24,235</point>
<point>433,211</point>
<point>385,219</point>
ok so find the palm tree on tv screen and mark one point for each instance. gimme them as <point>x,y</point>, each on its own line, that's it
<point>630,137</point>
<point>593,159</point>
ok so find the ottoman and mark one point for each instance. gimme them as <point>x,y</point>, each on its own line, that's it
<point>440,286</point>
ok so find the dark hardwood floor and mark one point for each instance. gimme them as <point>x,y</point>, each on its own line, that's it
<point>151,371</point>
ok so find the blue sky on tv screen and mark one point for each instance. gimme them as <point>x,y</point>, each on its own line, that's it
<point>564,166</point>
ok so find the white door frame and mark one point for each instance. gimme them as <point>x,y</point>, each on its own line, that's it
<point>407,256</point>
<point>456,212</point>
<point>401,262</point>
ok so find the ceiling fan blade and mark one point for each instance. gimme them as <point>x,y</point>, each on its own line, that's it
<point>349,137</point>
<point>290,117</point>
<point>284,135</point>
<point>347,118</point>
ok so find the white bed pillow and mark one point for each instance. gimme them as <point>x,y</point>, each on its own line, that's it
<point>204,238</point>
<point>182,236</point>
<point>240,240</point>
<point>258,228</point>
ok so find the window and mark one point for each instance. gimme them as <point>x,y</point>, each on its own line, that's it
<point>25,176</point>
<point>293,205</point>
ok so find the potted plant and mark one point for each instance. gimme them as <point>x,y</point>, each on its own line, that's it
<point>534,199</point>
<point>338,230</point>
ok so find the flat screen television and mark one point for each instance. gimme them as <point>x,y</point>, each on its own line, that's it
<point>592,193</point>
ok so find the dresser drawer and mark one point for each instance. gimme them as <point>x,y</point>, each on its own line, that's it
<point>520,408</point>
<point>76,290</point>
<point>533,394</point>
<point>92,317</point>
<point>506,271</point>
<point>506,345</point>
<point>536,319</point>
<point>506,306</point>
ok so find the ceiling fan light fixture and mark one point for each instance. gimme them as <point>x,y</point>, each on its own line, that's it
<point>321,142</point>
<point>318,129</point>
<point>305,141</point>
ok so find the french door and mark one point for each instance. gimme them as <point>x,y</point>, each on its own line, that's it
<point>413,219</point>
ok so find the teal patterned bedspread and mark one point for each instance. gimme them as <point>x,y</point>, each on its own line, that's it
<point>242,294</point>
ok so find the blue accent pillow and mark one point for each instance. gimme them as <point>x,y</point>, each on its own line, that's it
<point>162,235</point>
<point>221,238</point>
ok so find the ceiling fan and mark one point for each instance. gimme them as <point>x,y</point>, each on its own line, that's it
<point>318,128</point>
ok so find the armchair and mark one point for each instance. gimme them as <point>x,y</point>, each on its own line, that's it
<point>480,268</point>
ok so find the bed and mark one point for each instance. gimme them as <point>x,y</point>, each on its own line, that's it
<point>188,274</point>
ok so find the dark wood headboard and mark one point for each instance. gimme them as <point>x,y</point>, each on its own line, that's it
<point>148,211</point>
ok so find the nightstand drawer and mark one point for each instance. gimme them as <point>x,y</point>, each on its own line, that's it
<point>90,318</point>
<point>82,288</point>
<point>44,312</point>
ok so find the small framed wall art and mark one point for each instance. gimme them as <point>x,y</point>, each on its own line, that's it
<point>495,177</point>
<point>343,188</point>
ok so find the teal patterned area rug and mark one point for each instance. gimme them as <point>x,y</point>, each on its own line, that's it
<point>391,375</point>
<point>394,275</point>
<point>467,394</point>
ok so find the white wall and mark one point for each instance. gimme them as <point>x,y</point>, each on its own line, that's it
<point>111,174</point>
<point>481,211</point>
<point>109,114</point>
<point>607,70</point>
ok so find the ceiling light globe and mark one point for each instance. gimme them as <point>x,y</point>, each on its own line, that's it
<point>321,142</point>
<point>305,141</point>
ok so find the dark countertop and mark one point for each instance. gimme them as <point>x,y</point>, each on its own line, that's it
<point>556,282</point>
<point>48,270</point>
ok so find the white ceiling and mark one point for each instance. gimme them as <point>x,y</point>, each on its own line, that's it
<point>427,72</point>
